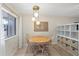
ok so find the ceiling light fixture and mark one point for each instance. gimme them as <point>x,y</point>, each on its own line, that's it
<point>36,14</point>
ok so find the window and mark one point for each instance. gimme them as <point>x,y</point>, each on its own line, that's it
<point>9,23</point>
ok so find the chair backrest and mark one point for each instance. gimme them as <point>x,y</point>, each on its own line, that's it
<point>27,38</point>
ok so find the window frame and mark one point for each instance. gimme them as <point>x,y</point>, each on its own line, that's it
<point>8,11</point>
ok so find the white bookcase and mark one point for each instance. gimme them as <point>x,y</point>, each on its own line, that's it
<point>68,37</point>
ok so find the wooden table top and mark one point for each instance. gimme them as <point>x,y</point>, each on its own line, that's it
<point>39,39</point>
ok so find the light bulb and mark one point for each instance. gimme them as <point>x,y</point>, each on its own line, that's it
<point>33,18</point>
<point>36,14</point>
<point>37,22</point>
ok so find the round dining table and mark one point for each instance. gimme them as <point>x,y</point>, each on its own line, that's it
<point>39,39</point>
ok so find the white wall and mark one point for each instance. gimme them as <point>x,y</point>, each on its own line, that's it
<point>77,19</point>
<point>20,32</point>
<point>0,29</point>
<point>52,21</point>
<point>11,44</point>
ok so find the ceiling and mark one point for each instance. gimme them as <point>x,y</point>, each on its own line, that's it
<point>49,9</point>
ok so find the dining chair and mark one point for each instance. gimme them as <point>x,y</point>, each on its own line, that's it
<point>28,43</point>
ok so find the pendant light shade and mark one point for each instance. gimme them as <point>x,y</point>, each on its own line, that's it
<point>36,14</point>
<point>35,8</point>
<point>33,18</point>
<point>37,22</point>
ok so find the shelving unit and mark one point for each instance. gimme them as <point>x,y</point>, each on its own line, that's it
<point>68,37</point>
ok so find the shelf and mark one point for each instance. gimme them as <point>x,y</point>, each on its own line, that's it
<point>74,44</point>
<point>61,32</point>
<point>69,45</point>
<point>75,31</point>
<point>74,35</point>
<point>67,33</point>
<point>60,28</point>
<point>75,27</point>
<point>67,30</point>
<point>67,27</point>
<point>68,37</point>
<point>75,39</point>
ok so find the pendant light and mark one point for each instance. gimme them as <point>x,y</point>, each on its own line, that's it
<point>36,14</point>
